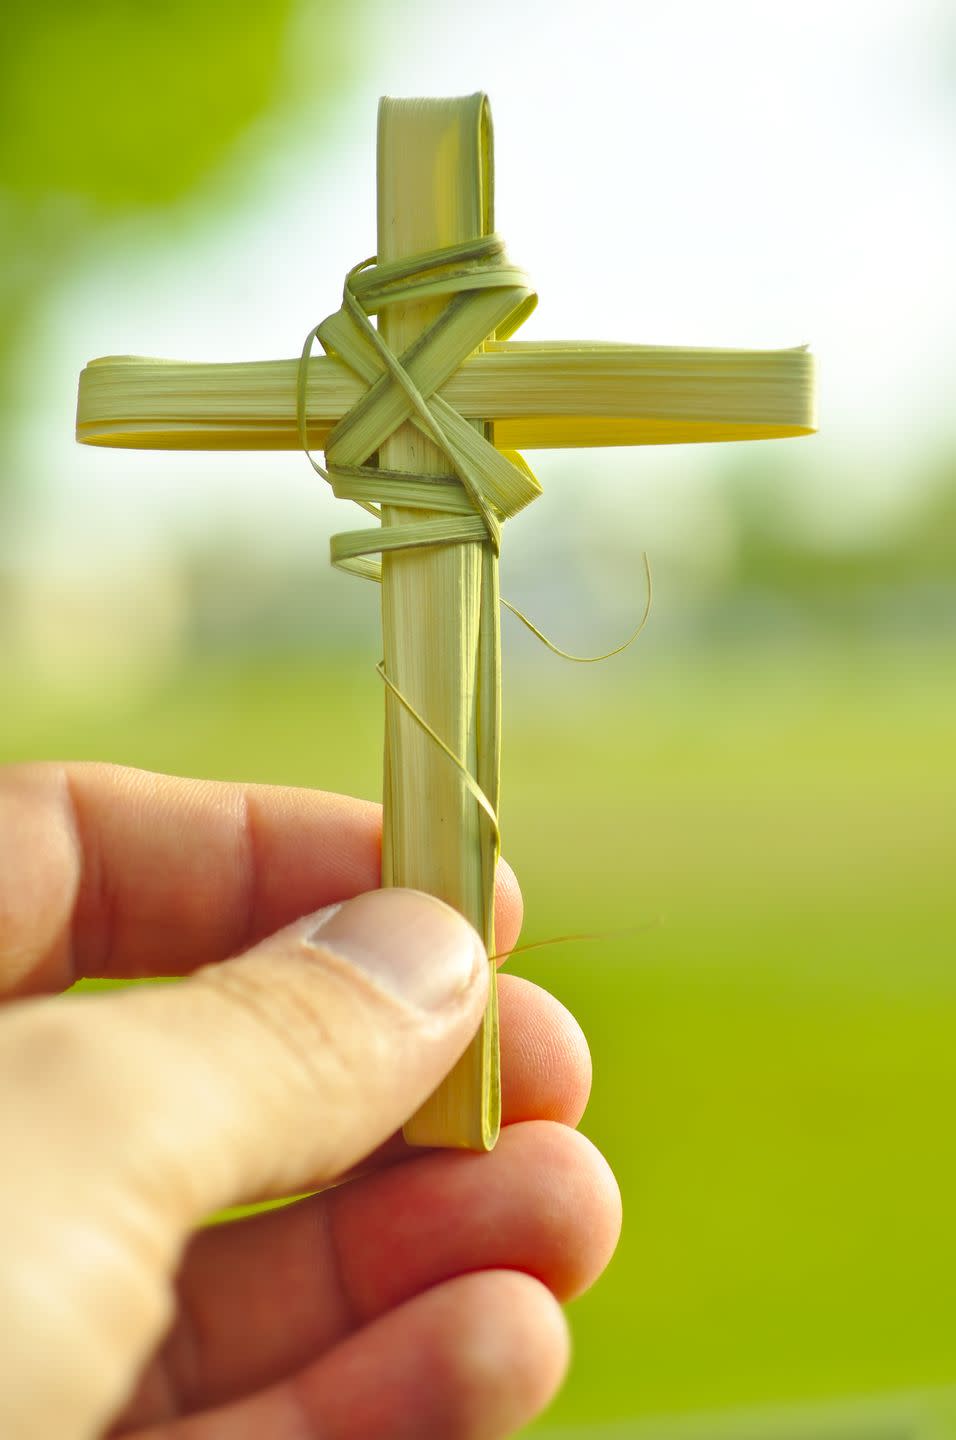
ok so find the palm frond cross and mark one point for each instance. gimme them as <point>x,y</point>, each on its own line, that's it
<point>421,419</point>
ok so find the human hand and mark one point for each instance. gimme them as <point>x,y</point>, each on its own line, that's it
<point>419,1298</point>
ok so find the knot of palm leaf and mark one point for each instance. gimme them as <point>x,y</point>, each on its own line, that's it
<point>490,298</point>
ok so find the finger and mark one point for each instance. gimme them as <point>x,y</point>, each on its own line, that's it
<point>262,1297</point>
<point>263,1075</point>
<point>473,1359</point>
<point>545,1060</point>
<point>113,872</point>
<point>545,1067</point>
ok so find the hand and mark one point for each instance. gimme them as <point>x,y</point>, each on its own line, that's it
<point>420,1298</point>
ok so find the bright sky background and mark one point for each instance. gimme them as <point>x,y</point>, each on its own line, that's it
<point>725,173</point>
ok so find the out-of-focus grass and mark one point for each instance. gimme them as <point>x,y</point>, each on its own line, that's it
<point>775,1051</point>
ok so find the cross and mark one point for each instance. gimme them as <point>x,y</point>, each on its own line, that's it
<point>420,419</point>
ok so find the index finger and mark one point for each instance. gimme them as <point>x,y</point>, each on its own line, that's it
<point>107,871</point>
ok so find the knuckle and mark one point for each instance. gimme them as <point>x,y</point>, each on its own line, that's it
<point>42,1048</point>
<point>293,1029</point>
<point>60,1058</point>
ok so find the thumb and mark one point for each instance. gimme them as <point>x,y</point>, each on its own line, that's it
<point>282,1068</point>
<point>126,1117</point>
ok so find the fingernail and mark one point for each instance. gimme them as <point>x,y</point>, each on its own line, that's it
<point>413,946</point>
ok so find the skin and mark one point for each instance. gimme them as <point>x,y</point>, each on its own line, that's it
<point>420,1295</point>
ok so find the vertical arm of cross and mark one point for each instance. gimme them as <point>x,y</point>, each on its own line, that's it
<point>440,611</point>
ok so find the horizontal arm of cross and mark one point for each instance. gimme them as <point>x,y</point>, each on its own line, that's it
<point>537,395</point>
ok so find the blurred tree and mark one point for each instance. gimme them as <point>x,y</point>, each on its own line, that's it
<point>899,580</point>
<point>113,107</point>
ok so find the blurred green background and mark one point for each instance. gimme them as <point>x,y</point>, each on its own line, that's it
<point>763,789</point>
